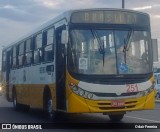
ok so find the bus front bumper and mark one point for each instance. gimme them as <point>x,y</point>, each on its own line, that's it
<point>77,104</point>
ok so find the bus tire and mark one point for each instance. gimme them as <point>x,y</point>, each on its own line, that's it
<point>48,105</point>
<point>116,117</point>
<point>16,105</point>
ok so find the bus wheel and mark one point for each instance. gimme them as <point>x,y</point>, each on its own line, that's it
<point>116,117</point>
<point>49,108</point>
<point>48,105</point>
<point>16,105</point>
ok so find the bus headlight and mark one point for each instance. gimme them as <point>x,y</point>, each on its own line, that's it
<point>73,87</point>
<point>77,90</point>
<point>81,92</point>
<point>90,95</point>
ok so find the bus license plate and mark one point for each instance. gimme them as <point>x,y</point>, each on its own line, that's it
<point>117,103</point>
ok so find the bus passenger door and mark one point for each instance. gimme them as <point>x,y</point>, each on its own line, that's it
<point>8,66</point>
<point>60,71</point>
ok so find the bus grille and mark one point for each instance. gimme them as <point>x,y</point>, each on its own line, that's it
<point>107,106</point>
<point>114,94</point>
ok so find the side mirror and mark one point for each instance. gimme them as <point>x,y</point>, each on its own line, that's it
<point>64,37</point>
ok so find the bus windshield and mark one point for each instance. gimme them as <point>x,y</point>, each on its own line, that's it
<point>105,51</point>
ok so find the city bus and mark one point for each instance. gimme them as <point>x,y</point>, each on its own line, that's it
<point>83,61</point>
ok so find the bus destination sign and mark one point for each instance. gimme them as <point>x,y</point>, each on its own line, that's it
<point>110,17</point>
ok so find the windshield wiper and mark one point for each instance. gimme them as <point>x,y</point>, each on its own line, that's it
<point>127,43</point>
<point>128,39</point>
<point>101,45</point>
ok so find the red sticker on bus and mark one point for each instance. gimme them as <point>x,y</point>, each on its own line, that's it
<point>132,88</point>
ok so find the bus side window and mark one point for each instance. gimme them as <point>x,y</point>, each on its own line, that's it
<point>4,61</point>
<point>11,58</point>
<point>38,48</point>
<point>28,53</point>
<point>37,56</point>
<point>21,54</point>
<point>14,55</point>
<point>48,48</point>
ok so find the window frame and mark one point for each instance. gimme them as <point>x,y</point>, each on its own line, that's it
<point>21,54</point>
<point>44,54</point>
<point>29,51</point>
<point>15,60</point>
<point>4,60</point>
<point>37,48</point>
<point>50,34</point>
<point>38,40</point>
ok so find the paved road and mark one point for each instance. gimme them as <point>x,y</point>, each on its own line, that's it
<point>8,115</point>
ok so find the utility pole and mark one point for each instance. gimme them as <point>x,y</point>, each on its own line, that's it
<point>123,3</point>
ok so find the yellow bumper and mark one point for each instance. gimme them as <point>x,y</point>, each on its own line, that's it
<point>77,104</point>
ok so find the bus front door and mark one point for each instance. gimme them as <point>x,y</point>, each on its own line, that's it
<point>60,71</point>
<point>8,56</point>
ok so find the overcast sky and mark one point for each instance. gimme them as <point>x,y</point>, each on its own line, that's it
<point>18,17</point>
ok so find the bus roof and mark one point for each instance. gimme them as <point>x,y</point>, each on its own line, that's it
<point>66,15</point>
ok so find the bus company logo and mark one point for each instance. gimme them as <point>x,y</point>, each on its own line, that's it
<point>6,126</point>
